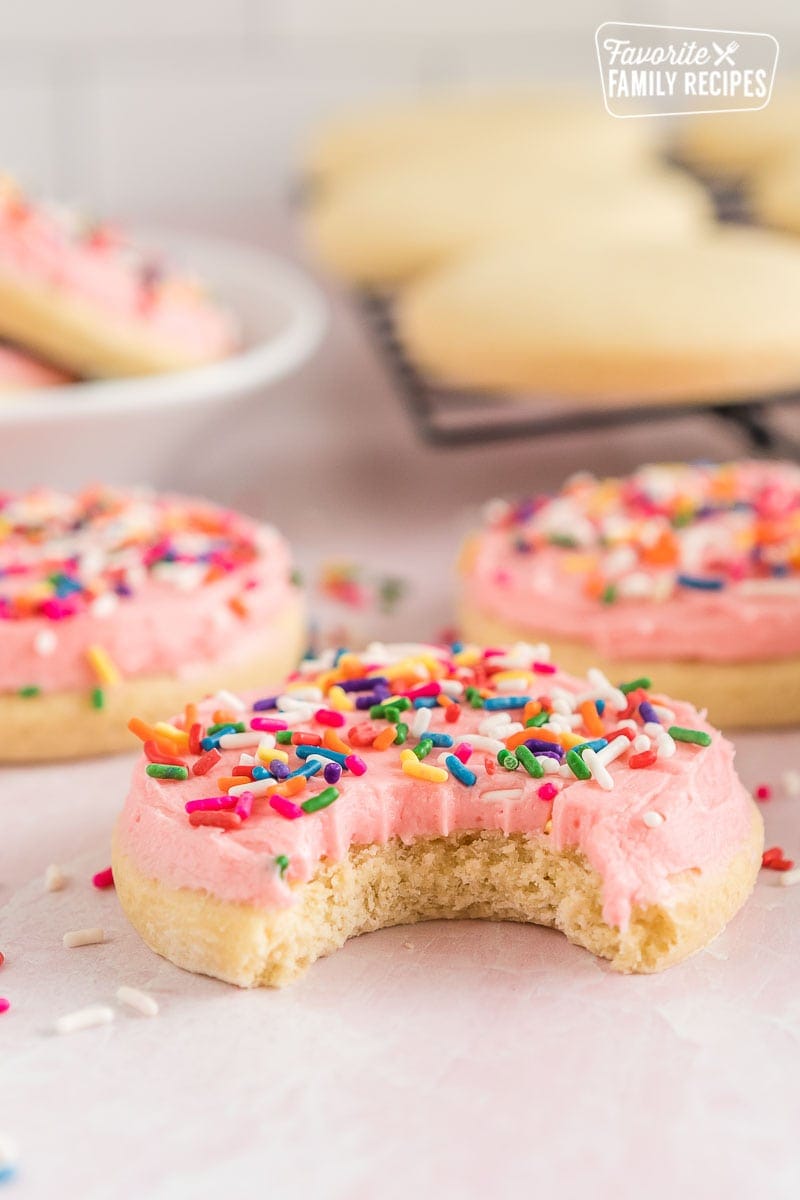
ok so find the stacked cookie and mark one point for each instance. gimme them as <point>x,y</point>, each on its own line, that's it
<point>535,246</point>
<point>78,299</point>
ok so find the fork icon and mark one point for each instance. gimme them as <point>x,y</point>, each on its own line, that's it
<point>726,54</point>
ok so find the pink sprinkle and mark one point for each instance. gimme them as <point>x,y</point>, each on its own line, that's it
<point>268,724</point>
<point>425,689</point>
<point>327,716</point>
<point>244,805</point>
<point>548,791</point>
<point>103,879</point>
<point>210,804</point>
<point>463,751</point>
<point>542,668</point>
<point>286,808</point>
<point>5,1005</point>
<point>355,764</point>
<point>763,792</point>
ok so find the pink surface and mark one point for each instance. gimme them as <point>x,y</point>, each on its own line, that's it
<point>705,811</point>
<point>522,574</point>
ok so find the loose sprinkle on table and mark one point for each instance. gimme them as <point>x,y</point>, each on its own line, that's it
<point>85,1018</point>
<point>83,937</point>
<point>140,1001</point>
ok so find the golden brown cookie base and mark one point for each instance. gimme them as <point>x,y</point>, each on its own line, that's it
<point>741,693</point>
<point>65,725</point>
<point>469,875</point>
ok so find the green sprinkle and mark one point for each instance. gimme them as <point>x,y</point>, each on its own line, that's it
<point>98,698</point>
<point>578,766</point>
<point>609,594</point>
<point>392,713</point>
<point>238,726</point>
<point>423,748</point>
<point>27,693</point>
<point>167,771</point>
<point>530,762</point>
<point>284,737</point>
<point>282,863</point>
<point>321,800</point>
<point>643,682</point>
<point>696,736</point>
<point>563,540</point>
<point>508,760</point>
<point>536,722</point>
<point>473,697</point>
<point>402,703</point>
<point>401,733</point>
<point>377,711</point>
<point>296,580</point>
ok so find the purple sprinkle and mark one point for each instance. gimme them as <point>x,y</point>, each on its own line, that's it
<point>278,769</point>
<point>332,773</point>
<point>648,713</point>
<point>365,702</point>
<point>365,684</point>
<point>539,746</point>
<point>267,703</point>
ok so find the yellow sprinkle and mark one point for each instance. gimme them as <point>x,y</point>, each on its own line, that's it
<point>172,733</point>
<point>267,756</point>
<point>576,564</point>
<point>103,666</point>
<point>467,657</point>
<point>339,700</point>
<point>568,740</point>
<point>408,756</point>
<point>420,770</point>
<point>522,676</point>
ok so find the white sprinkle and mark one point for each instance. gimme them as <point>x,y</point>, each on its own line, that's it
<point>83,937</point>
<point>104,605</point>
<point>492,726</point>
<point>483,743</point>
<point>420,722</point>
<point>613,750</point>
<point>563,707</point>
<point>297,716</point>
<point>665,745</point>
<point>790,781</point>
<point>789,878</point>
<point>259,787</point>
<point>666,715</point>
<point>564,771</point>
<point>514,685</point>
<point>54,878</point>
<point>238,741</point>
<point>599,772</point>
<point>45,643</point>
<point>268,742</point>
<point>549,765</point>
<point>85,1018</point>
<point>8,1152</point>
<point>641,743</point>
<point>312,695</point>
<point>652,819</point>
<point>143,1003</point>
<point>502,794</point>
<point>248,760</point>
<point>612,695</point>
<point>230,702</point>
<point>653,729</point>
<point>451,688</point>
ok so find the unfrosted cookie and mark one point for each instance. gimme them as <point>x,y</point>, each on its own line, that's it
<point>84,298</point>
<point>632,321</point>
<point>564,124</point>
<point>385,226</point>
<point>413,782</point>
<point>688,575</point>
<point>737,145</point>
<point>774,193</point>
<point>120,602</point>
<point>22,372</point>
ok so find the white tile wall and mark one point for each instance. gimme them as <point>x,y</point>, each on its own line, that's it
<point>196,107</point>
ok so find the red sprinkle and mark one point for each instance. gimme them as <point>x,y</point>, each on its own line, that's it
<point>645,759</point>
<point>452,713</point>
<point>763,792</point>
<point>195,737</point>
<point>623,731</point>
<point>222,820</point>
<point>244,771</point>
<point>5,1005</point>
<point>328,716</point>
<point>157,756</point>
<point>205,762</point>
<point>364,733</point>
<point>103,879</point>
<point>306,739</point>
<point>490,765</point>
<point>774,859</point>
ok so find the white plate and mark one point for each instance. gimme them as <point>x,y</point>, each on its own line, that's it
<point>282,316</point>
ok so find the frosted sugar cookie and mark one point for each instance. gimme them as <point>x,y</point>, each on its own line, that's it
<point>119,602</point>
<point>21,372</point>
<point>416,782</point>
<point>688,576</point>
<point>630,321</point>
<point>83,297</point>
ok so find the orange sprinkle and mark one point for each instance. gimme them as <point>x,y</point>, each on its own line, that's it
<point>237,605</point>
<point>226,782</point>
<point>444,700</point>
<point>531,709</point>
<point>385,738</point>
<point>591,720</point>
<point>189,716</point>
<point>544,735</point>
<point>332,741</point>
<point>142,730</point>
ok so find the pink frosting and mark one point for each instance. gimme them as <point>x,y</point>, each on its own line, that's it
<point>705,809</point>
<point>41,245</point>
<point>20,371</point>
<point>149,615</point>
<point>736,527</point>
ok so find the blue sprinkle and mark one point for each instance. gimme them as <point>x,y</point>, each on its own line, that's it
<point>338,655</point>
<point>456,647</point>
<point>438,739</point>
<point>506,702</point>
<point>600,705</point>
<point>311,768</point>
<point>304,751</point>
<point>262,773</point>
<point>426,702</point>
<point>705,583</point>
<point>461,772</point>
<point>594,744</point>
